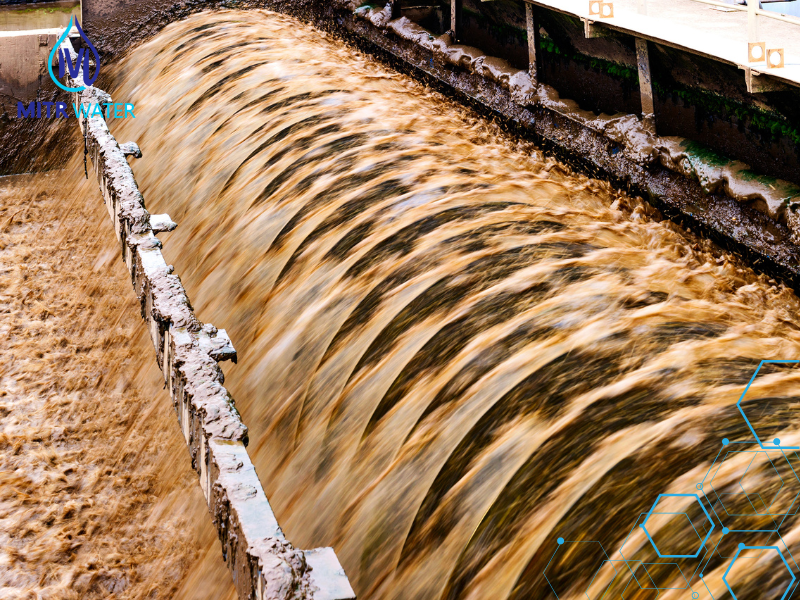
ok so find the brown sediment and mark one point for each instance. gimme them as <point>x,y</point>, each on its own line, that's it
<point>98,500</point>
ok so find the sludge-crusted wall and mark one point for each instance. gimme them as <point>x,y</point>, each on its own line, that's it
<point>696,98</point>
<point>744,210</point>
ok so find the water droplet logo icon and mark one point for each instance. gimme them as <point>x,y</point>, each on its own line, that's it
<point>65,62</point>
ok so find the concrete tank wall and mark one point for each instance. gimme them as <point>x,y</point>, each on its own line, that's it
<point>695,97</point>
<point>29,144</point>
<point>112,26</point>
<point>27,34</point>
<point>23,63</point>
<point>20,17</point>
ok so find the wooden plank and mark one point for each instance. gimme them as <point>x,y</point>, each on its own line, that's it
<point>685,36</point>
<point>752,21</point>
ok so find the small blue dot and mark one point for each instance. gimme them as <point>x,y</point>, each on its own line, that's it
<point>725,530</point>
<point>701,575</point>
<point>741,546</point>
<point>560,541</point>
<point>699,486</point>
<point>725,441</point>
<point>777,442</point>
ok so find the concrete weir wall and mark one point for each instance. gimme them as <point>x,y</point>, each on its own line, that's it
<point>264,565</point>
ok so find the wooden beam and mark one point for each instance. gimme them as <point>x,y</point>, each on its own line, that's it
<point>593,29</point>
<point>533,43</point>
<point>759,83</point>
<point>456,10</point>
<point>752,21</point>
<point>645,83</point>
<point>784,77</point>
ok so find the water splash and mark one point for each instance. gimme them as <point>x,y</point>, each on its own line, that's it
<point>453,350</point>
<point>94,504</point>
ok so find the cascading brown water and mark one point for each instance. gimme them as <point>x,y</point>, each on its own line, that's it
<point>452,350</point>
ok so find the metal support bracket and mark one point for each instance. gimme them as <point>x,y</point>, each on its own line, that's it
<point>593,29</point>
<point>759,83</point>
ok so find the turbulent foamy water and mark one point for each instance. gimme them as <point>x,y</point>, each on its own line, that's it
<point>97,499</point>
<point>452,350</point>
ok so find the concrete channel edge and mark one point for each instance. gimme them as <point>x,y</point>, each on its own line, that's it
<point>263,564</point>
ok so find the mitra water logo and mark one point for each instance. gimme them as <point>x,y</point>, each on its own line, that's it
<point>65,58</point>
<point>75,66</point>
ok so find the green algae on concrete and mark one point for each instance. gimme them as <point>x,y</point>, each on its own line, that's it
<point>618,70</point>
<point>50,16</point>
<point>768,124</point>
<point>758,120</point>
<point>698,152</point>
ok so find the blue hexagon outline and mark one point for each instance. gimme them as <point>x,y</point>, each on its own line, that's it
<point>769,513</point>
<point>770,531</point>
<point>778,550</point>
<point>699,539</point>
<point>636,579</point>
<point>705,512</point>
<point>637,525</point>
<point>718,494</point>
<point>613,579</point>
<point>747,495</point>
<point>785,515</point>
<point>544,571</point>
<point>744,416</point>
<point>686,587</point>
